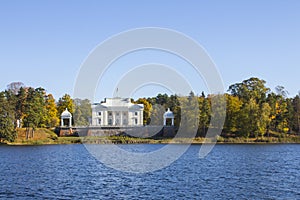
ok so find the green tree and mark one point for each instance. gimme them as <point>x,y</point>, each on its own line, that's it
<point>7,129</point>
<point>204,114</point>
<point>161,99</point>
<point>253,88</point>
<point>35,112</point>
<point>83,112</point>
<point>174,105</point>
<point>296,116</point>
<point>21,102</point>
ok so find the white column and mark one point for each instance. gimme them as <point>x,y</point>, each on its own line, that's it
<point>141,118</point>
<point>172,121</point>
<point>121,118</point>
<point>61,122</point>
<point>165,121</point>
<point>70,121</point>
<point>104,118</point>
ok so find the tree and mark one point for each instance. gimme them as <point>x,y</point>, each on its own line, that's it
<point>280,90</point>
<point>252,88</point>
<point>20,105</point>
<point>83,112</point>
<point>147,110</point>
<point>233,105</point>
<point>14,87</point>
<point>296,117</point>
<point>51,119</point>
<point>162,99</point>
<point>35,111</point>
<point>264,120</point>
<point>189,115</point>
<point>248,118</point>
<point>63,103</point>
<point>174,105</point>
<point>7,129</point>
<point>156,116</point>
<point>204,114</point>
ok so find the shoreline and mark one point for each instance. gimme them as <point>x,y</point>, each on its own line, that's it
<point>48,137</point>
<point>130,140</point>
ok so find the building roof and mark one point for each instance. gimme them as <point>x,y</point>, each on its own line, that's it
<point>119,103</point>
<point>66,114</point>
<point>169,114</point>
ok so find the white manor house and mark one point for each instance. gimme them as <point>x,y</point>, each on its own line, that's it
<point>117,112</point>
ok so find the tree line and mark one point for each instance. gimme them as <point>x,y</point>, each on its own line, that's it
<point>32,108</point>
<point>252,110</point>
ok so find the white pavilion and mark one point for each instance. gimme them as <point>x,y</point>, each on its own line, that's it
<point>168,115</point>
<point>117,112</point>
<point>66,116</point>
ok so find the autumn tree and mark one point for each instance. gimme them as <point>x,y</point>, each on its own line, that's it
<point>264,120</point>
<point>51,119</point>
<point>65,102</point>
<point>233,105</point>
<point>147,110</point>
<point>248,118</point>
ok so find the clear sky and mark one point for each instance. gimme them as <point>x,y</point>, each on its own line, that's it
<point>43,43</point>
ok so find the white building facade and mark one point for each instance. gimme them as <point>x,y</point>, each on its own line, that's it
<point>117,112</point>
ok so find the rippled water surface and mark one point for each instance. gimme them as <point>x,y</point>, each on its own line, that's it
<point>228,172</point>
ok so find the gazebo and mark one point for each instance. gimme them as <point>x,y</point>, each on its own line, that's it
<point>168,115</point>
<point>66,115</point>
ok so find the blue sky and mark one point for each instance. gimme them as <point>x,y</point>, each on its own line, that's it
<point>43,43</point>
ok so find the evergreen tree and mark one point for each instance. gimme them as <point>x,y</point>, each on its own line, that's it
<point>7,128</point>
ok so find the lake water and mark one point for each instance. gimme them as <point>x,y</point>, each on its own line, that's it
<point>228,172</point>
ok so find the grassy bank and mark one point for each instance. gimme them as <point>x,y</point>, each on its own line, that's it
<point>42,136</point>
<point>47,136</point>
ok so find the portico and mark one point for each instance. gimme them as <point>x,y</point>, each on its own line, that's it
<point>117,112</point>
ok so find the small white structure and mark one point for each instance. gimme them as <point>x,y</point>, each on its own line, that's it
<point>168,115</point>
<point>66,115</point>
<point>117,112</point>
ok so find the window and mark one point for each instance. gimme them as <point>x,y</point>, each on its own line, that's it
<point>99,113</point>
<point>135,113</point>
<point>136,121</point>
<point>109,113</point>
<point>117,113</point>
<point>99,121</point>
